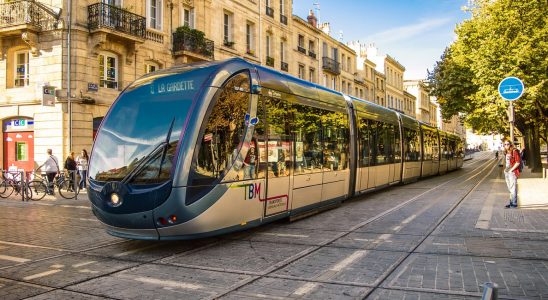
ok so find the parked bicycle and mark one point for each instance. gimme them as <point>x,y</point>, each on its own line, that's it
<point>11,182</point>
<point>40,186</point>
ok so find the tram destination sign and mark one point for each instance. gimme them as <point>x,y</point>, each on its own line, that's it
<point>511,88</point>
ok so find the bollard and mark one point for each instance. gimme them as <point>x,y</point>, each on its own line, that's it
<point>22,185</point>
<point>490,291</point>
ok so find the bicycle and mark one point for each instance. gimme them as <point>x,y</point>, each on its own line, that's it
<point>66,186</point>
<point>12,183</point>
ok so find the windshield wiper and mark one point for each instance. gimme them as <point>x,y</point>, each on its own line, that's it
<point>150,157</point>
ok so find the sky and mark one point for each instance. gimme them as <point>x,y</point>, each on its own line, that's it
<point>414,32</point>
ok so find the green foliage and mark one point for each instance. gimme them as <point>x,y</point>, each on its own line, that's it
<point>503,38</point>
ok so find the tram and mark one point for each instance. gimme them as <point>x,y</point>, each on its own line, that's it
<point>214,147</point>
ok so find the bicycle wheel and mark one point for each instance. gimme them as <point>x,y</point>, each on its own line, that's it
<point>38,189</point>
<point>68,189</point>
<point>7,189</point>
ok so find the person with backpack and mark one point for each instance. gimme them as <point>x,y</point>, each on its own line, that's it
<point>511,172</point>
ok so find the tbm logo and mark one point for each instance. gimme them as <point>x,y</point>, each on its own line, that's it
<point>252,191</point>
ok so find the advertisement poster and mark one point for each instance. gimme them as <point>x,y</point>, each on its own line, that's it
<point>298,151</point>
<point>262,151</point>
<point>272,151</point>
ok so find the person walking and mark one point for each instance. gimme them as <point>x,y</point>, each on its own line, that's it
<point>51,167</point>
<point>70,166</point>
<point>82,164</point>
<point>511,172</point>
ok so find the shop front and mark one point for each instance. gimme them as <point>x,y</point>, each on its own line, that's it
<point>18,144</point>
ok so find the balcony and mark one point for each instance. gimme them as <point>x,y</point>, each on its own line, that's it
<point>113,18</point>
<point>331,65</point>
<point>358,78</point>
<point>155,36</point>
<point>284,66</point>
<point>270,11</point>
<point>270,61</point>
<point>301,49</point>
<point>312,54</point>
<point>193,42</point>
<point>283,19</point>
<point>19,16</point>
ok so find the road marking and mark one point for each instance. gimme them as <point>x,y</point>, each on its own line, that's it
<point>75,206</point>
<point>446,244</point>
<point>305,289</point>
<point>43,274</point>
<point>169,283</point>
<point>88,271</point>
<point>13,258</point>
<point>136,250</point>
<point>284,234</point>
<point>520,230</point>
<point>57,266</point>
<point>84,264</point>
<point>30,246</point>
<point>345,262</point>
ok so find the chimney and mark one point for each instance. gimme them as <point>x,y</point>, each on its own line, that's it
<point>325,28</point>
<point>312,20</point>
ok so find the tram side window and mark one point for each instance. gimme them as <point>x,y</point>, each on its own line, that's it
<point>460,148</point>
<point>223,133</point>
<point>427,145</point>
<point>307,122</point>
<point>443,147</point>
<point>397,144</point>
<point>435,146</point>
<point>374,143</point>
<point>279,153</point>
<point>364,142</point>
<point>411,145</point>
<point>335,135</point>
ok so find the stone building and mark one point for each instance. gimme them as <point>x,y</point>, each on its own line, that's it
<point>418,89</point>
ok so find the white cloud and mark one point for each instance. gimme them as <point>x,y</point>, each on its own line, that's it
<point>407,31</point>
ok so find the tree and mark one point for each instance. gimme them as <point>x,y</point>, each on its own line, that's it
<point>503,38</point>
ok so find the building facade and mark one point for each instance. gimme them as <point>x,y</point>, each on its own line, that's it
<point>422,105</point>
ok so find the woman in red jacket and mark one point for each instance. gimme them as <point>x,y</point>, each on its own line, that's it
<point>511,172</point>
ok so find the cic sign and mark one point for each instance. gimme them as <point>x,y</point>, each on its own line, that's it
<point>48,95</point>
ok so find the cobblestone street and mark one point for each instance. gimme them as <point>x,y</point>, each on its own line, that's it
<point>438,238</point>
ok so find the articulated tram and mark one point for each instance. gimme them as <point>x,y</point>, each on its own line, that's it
<point>214,147</point>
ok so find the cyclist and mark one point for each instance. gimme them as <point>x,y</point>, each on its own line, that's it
<point>51,167</point>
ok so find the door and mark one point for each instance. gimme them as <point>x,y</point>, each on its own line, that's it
<point>19,150</point>
<point>277,155</point>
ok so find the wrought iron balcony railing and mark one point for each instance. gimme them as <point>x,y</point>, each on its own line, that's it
<point>270,61</point>
<point>102,15</point>
<point>284,66</point>
<point>26,12</point>
<point>270,11</point>
<point>186,41</point>
<point>331,65</point>
<point>312,54</point>
<point>283,19</point>
<point>301,49</point>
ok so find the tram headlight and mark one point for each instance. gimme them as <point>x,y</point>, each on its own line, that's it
<point>115,200</point>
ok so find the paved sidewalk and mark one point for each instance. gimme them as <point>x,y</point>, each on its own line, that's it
<point>532,190</point>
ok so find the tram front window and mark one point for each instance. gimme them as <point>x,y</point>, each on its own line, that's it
<point>138,139</point>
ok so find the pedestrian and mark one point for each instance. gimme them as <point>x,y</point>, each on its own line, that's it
<point>523,155</point>
<point>51,167</point>
<point>70,166</point>
<point>511,172</point>
<point>82,164</point>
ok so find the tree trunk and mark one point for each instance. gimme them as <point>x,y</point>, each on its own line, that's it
<point>528,143</point>
<point>534,150</point>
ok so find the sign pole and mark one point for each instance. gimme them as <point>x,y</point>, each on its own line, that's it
<point>512,121</point>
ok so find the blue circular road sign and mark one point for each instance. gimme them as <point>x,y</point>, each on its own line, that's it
<point>511,88</point>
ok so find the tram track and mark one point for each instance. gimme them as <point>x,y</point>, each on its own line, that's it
<point>269,272</point>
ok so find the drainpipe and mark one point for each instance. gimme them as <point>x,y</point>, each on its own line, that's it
<point>69,96</point>
<point>260,35</point>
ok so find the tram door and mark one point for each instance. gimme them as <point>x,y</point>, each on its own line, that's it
<point>278,156</point>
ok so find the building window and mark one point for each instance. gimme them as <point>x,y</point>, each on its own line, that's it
<point>343,62</point>
<point>268,46</point>
<point>349,64</point>
<point>108,71</point>
<point>324,49</point>
<point>154,14</point>
<point>349,88</point>
<point>227,28</point>
<point>250,38</point>
<point>21,68</point>
<point>300,44</point>
<point>151,67</point>
<point>188,17</point>
<point>282,51</point>
<point>312,75</point>
<point>301,71</point>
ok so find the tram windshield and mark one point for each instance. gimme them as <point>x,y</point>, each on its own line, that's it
<point>138,139</point>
